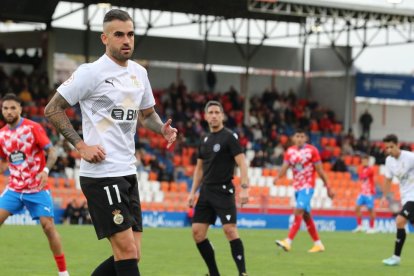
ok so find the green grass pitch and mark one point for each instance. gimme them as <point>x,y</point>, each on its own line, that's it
<point>24,251</point>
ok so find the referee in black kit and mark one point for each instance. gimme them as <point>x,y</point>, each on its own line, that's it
<point>218,153</point>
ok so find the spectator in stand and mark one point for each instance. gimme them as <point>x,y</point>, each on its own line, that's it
<point>362,146</point>
<point>346,147</point>
<point>259,159</point>
<point>339,164</point>
<point>325,124</point>
<point>366,120</point>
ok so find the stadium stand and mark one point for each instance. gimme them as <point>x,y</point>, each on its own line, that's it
<point>165,175</point>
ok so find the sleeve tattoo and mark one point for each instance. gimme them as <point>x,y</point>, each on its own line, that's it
<point>152,121</point>
<point>55,113</point>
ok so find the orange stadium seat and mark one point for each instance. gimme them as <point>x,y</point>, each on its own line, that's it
<point>182,187</point>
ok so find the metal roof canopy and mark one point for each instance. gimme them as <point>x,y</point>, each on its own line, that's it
<point>321,23</point>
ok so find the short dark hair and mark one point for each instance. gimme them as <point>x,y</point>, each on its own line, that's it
<point>390,138</point>
<point>11,97</point>
<point>211,103</point>
<point>117,14</point>
<point>300,130</point>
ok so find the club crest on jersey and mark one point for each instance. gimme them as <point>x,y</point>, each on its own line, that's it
<point>216,147</point>
<point>135,82</point>
<point>118,218</point>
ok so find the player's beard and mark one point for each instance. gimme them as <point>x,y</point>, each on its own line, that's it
<point>11,120</point>
<point>117,54</point>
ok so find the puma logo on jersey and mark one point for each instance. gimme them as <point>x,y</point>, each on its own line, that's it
<point>110,82</point>
<point>47,209</point>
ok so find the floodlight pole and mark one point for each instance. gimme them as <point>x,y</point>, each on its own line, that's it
<point>87,33</point>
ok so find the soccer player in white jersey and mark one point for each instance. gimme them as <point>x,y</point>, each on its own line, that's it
<point>113,92</point>
<point>399,164</point>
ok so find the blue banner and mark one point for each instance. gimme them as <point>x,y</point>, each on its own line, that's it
<point>397,87</point>
<point>246,221</point>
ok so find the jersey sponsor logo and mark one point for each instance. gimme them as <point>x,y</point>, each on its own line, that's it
<point>17,157</point>
<point>118,218</point>
<point>69,80</point>
<point>216,148</point>
<point>111,82</point>
<point>121,114</point>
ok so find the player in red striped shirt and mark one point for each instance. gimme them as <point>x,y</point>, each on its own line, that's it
<point>305,161</point>
<point>366,196</point>
<point>23,144</point>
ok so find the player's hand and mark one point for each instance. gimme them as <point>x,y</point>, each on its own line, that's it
<point>331,194</point>
<point>275,180</point>
<point>190,200</point>
<point>92,154</point>
<point>169,133</point>
<point>244,196</point>
<point>43,179</point>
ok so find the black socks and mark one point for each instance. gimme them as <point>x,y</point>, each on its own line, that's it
<point>207,252</point>
<point>399,242</point>
<point>237,250</point>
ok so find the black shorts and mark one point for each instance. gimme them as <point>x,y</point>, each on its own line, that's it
<point>407,211</point>
<point>216,200</point>
<point>113,203</point>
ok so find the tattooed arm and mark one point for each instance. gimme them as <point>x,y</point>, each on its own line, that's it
<point>151,120</point>
<point>55,113</point>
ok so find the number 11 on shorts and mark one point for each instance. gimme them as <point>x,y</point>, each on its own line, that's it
<point>106,188</point>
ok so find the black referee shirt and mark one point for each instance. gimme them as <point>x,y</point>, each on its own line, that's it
<point>217,150</point>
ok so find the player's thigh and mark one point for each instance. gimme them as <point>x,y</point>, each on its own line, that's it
<point>134,203</point>
<point>360,200</point>
<point>10,203</point>
<point>203,211</point>
<point>369,202</point>
<point>303,199</point>
<point>123,245</point>
<point>406,214</point>
<point>224,205</point>
<point>39,204</point>
<point>109,204</point>
<point>137,239</point>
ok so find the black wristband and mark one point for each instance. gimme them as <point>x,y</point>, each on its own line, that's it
<point>244,186</point>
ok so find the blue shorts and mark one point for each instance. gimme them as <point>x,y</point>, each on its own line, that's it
<point>39,204</point>
<point>366,200</point>
<point>303,199</point>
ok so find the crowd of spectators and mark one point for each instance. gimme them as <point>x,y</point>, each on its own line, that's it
<point>264,133</point>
